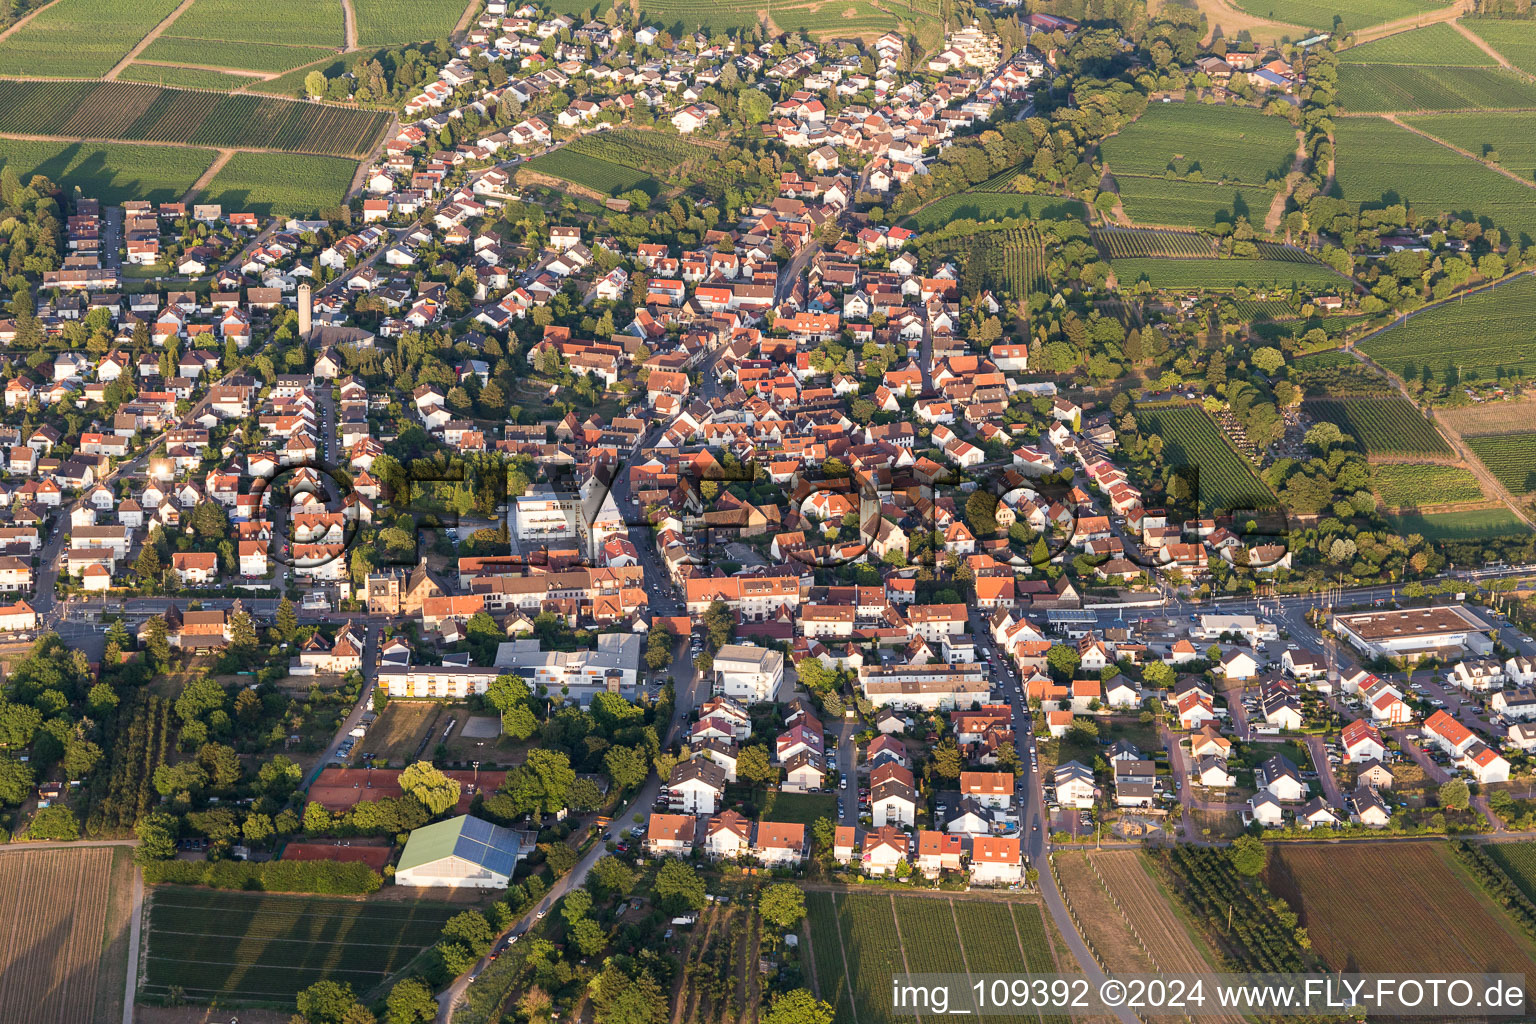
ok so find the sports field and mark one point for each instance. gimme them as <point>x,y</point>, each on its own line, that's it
<point>859,940</point>
<point>218,944</point>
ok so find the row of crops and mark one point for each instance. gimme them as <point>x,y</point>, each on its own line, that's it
<point>1010,261</point>
<point>1191,439</point>
<point>134,111</point>
<point>1478,334</point>
<point>1510,457</point>
<point>1373,88</point>
<point>1127,243</point>
<point>1383,426</point>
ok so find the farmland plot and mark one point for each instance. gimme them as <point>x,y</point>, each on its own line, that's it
<point>111,173</point>
<point>242,54</point>
<point>1376,88</point>
<point>183,78</point>
<point>1214,274</point>
<point>1234,144</point>
<point>405,21</point>
<point>80,38</point>
<point>1478,524</point>
<point>1383,426</point>
<point>1011,261</point>
<point>1507,139</point>
<point>1191,204</point>
<point>295,22</point>
<point>1319,14</point>
<point>1438,44</point>
<point>984,206</point>
<point>268,183</point>
<point>1518,861</point>
<point>1128,243</point>
<point>1395,907</point>
<point>827,948</point>
<point>1190,438</point>
<point>260,946</point>
<point>1380,163</point>
<point>1513,39</point>
<point>1510,457</point>
<point>1411,485</point>
<point>1481,333</point>
<point>595,173</point>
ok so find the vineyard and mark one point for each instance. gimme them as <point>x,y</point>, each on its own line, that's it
<point>1492,329</point>
<point>135,111</point>
<point>1130,243</point>
<point>1190,438</point>
<point>1394,907</point>
<point>1222,144</point>
<point>1376,88</point>
<point>260,946</point>
<point>1383,426</point>
<point>1510,457</point>
<point>1214,274</point>
<point>876,936</point>
<point>1513,39</point>
<point>1507,139</point>
<point>1411,485</point>
<point>834,19</point>
<point>721,984</point>
<point>1011,261</point>
<point>1518,861</point>
<point>140,744</point>
<point>112,173</point>
<point>1380,163</point>
<point>60,957</point>
<point>1438,44</point>
<point>1319,14</point>
<point>652,152</point>
<point>268,183</point>
<point>599,175</point>
<point>1190,204</point>
<point>183,78</point>
<point>1264,310</point>
<point>300,23</point>
<point>80,38</point>
<point>405,21</point>
<point>1476,525</point>
<point>1211,889</point>
<point>247,56</point>
<point>985,206</point>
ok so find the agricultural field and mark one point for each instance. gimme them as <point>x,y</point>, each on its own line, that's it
<point>184,78</point>
<point>1518,861</point>
<point>984,206</point>
<point>1479,524</point>
<point>1380,163</point>
<point>1319,14</point>
<point>268,183</point>
<point>1265,310</point>
<point>112,173</point>
<point>228,945</point>
<point>1190,438</point>
<point>1215,274</point>
<point>1395,907</point>
<point>1188,204</point>
<point>1230,144</point>
<point>837,19</point>
<point>405,21</point>
<point>1377,88</point>
<point>304,23</point>
<point>1411,485</point>
<point>1383,426</point>
<point>1130,243</point>
<point>1010,262</point>
<point>1513,39</point>
<point>1507,139</point>
<point>597,174</point>
<point>1482,332</point>
<point>1505,417</point>
<point>655,153</point>
<point>858,941</point>
<point>1439,45</point>
<point>80,38</point>
<point>133,111</point>
<point>65,955</point>
<point>1510,457</point>
<point>242,55</point>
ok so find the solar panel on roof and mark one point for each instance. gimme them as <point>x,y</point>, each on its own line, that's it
<point>477,829</point>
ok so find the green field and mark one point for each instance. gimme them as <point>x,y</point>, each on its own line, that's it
<point>1216,274</point>
<point>859,940</point>
<point>184,78</point>
<point>1410,485</point>
<point>1517,860</point>
<point>1233,144</point>
<point>1191,438</point>
<point>1482,524</point>
<point>297,22</point>
<point>1513,39</point>
<point>1380,164</point>
<point>291,83</point>
<point>1438,44</point>
<point>405,21</point>
<point>133,111</point>
<point>243,55</point>
<point>994,206</point>
<point>260,946</point>
<point>1376,88</point>
<point>1190,204</point>
<point>1507,139</point>
<point>595,173</point>
<point>268,183</point>
<point>1131,243</point>
<point>1510,457</point>
<point>1479,333</point>
<point>1010,262</point>
<point>798,808</point>
<point>113,173</point>
<point>1383,426</point>
<point>80,38</point>
<point>838,19</point>
<point>1319,14</point>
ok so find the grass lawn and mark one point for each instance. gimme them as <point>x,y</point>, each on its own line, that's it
<point>802,808</point>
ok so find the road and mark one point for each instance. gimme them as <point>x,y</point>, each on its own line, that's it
<point>364,701</point>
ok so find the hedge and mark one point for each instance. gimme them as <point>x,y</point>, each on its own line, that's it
<point>317,876</point>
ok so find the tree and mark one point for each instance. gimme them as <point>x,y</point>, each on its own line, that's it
<point>610,877</point>
<point>1062,661</point>
<point>679,887</point>
<point>287,622</point>
<point>1159,674</point>
<point>242,631</point>
<point>798,1006</point>
<point>257,828</point>
<point>620,998</point>
<point>157,837</point>
<point>1249,855</point>
<point>57,822</point>
<point>156,643</point>
<point>15,780</point>
<point>752,764</point>
<point>946,759</point>
<point>80,757</point>
<point>1268,359</point>
<point>540,784</point>
<point>410,1002</point>
<point>782,905</point>
<point>101,700</point>
<point>279,777</point>
<point>627,767</point>
<point>314,84</point>
<point>472,929</point>
<point>328,1002</point>
<point>434,790</point>
<point>1455,795</point>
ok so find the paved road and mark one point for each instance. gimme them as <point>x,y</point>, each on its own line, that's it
<point>364,702</point>
<point>1319,751</point>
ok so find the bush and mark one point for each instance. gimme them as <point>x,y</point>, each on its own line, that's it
<point>316,876</point>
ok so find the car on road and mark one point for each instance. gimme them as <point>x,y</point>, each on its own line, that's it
<point>844,783</point>
<point>540,915</point>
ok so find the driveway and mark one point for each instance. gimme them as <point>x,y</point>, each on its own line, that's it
<point>1319,752</point>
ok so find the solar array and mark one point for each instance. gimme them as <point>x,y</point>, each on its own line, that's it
<point>490,846</point>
